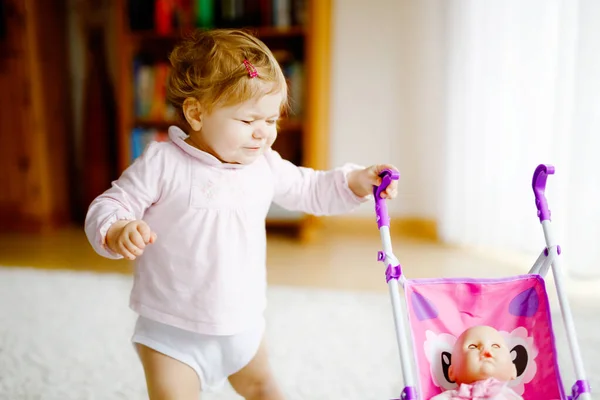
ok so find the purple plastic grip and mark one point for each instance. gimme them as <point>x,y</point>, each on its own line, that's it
<point>539,186</point>
<point>387,176</point>
<point>409,393</point>
<point>393,272</point>
<point>579,388</point>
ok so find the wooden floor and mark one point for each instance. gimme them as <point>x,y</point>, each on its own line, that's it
<point>337,260</point>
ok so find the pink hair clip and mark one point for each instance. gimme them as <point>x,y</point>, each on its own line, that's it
<point>251,69</point>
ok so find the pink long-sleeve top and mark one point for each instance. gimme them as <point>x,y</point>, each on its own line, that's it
<point>206,272</point>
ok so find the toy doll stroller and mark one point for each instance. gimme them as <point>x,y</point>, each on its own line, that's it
<point>438,310</point>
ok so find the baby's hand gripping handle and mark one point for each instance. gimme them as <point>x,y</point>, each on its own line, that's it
<point>387,176</point>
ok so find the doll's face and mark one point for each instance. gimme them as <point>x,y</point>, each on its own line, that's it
<point>481,353</point>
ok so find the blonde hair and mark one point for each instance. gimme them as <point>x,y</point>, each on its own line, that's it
<point>208,65</point>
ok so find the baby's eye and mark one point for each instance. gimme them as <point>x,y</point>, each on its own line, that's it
<point>271,121</point>
<point>496,346</point>
<point>472,346</point>
<point>247,122</point>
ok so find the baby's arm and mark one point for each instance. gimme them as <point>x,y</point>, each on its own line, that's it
<point>330,192</point>
<point>121,208</point>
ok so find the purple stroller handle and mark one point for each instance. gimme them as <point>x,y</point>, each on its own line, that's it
<point>387,175</point>
<point>539,186</point>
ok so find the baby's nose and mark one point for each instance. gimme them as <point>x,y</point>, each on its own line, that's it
<point>486,353</point>
<point>259,133</point>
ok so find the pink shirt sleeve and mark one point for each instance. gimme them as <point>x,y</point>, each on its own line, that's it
<point>127,199</point>
<point>310,191</point>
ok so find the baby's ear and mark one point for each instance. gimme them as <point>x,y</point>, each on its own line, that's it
<point>451,373</point>
<point>193,113</point>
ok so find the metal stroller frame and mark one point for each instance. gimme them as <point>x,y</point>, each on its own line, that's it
<point>549,257</point>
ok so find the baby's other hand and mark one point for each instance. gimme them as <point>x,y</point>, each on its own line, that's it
<point>361,181</point>
<point>129,238</point>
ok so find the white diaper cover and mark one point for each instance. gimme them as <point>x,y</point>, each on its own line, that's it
<point>214,358</point>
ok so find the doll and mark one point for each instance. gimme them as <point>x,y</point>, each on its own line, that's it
<point>482,366</point>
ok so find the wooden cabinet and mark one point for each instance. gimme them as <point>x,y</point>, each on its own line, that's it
<point>300,39</point>
<point>34,116</point>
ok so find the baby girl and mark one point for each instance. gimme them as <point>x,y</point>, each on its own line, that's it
<point>482,366</point>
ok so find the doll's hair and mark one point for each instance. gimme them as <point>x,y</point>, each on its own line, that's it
<point>222,67</point>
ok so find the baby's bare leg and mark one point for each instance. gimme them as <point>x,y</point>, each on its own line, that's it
<point>167,378</point>
<point>256,381</point>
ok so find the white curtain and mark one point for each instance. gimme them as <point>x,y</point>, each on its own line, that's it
<point>523,89</point>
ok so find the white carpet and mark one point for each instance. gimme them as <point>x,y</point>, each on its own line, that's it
<point>65,335</point>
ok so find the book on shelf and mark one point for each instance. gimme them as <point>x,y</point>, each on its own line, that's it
<point>169,16</point>
<point>293,70</point>
<point>142,137</point>
<point>150,91</point>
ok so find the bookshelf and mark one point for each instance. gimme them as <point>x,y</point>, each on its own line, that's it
<point>297,31</point>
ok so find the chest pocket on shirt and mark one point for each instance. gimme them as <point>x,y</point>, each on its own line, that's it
<point>231,189</point>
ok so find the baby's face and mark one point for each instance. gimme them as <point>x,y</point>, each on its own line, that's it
<point>481,353</point>
<point>240,133</point>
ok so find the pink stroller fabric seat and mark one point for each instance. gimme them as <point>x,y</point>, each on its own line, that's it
<point>439,310</point>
